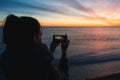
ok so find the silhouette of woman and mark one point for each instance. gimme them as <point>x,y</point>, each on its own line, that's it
<point>26,57</point>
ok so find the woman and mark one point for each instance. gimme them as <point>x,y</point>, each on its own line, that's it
<point>26,57</point>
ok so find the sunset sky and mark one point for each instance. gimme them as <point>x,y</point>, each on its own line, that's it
<point>65,12</point>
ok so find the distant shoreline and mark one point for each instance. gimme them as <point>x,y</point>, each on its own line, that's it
<point>79,27</point>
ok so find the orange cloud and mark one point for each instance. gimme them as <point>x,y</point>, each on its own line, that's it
<point>115,22</point>
<point>75,23</point>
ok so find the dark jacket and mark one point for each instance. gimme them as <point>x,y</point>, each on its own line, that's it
<point>29,63</point>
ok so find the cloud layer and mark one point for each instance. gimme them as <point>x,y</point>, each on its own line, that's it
<point>100,10</point>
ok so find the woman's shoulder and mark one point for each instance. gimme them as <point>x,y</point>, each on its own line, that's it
<point>43,51</point>
<point>41,47</point>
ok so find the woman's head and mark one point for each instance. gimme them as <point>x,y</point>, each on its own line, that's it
<point>20,31</point>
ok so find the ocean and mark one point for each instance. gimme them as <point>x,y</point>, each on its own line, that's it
<point>93,51</point>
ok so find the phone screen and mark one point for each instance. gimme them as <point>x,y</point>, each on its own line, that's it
<point>58,37</point>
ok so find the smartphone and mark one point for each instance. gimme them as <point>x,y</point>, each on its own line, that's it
<point>58,38</point>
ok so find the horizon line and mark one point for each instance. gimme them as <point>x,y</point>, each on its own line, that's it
<point>75,26</point>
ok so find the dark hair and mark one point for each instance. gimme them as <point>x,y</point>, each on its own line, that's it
<point>19,31</point>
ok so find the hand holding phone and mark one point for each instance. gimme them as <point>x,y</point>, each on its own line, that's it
<point>59,38</point>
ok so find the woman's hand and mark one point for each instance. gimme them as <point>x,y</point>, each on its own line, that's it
<point>53,46</point>
<point>65,44</point>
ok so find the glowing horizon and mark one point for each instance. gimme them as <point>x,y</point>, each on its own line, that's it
<point>65,12</point>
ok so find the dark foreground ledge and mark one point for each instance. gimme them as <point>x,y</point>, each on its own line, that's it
<point>109,77</point>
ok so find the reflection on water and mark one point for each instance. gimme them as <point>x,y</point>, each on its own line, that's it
<point>97,45</point>
<point>96,39</point>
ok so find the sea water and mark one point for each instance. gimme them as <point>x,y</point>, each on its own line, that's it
<point>93,51</point>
